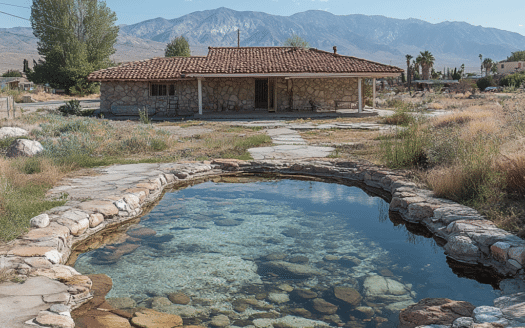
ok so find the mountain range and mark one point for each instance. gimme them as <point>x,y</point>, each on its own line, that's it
<point>377,38</point>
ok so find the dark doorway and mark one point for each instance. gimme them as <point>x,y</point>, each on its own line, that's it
<point>261,93</point>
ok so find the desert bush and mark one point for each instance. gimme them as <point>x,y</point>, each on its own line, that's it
<point>400,117</point>
<point>395,103</point>
<point>71,107</point>
<point>513,169</point>
<point>144,116</point>
<point>513,80</point>
<point>406,149</point>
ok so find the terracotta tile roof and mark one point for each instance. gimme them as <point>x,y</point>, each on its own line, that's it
<point>248,60</point>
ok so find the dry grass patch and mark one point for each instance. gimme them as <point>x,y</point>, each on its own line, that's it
<point>462,117</point>
<point>513,168</point>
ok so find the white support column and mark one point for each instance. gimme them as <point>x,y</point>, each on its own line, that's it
<point>359,90</point>
<point>374,93</point>
<point>199,82</point>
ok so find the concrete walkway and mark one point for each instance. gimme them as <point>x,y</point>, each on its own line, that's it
<point>289,145</point>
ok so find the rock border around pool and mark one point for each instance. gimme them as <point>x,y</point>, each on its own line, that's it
<point>123,192</point>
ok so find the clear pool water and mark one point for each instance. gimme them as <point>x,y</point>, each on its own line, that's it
<point>266,252</point>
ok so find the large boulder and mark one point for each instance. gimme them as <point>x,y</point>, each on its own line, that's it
<point>10,132</point>
<point>434,311</point>
<point>24,147</point>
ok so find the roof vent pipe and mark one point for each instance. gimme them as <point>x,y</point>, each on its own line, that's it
<point>335,50</point>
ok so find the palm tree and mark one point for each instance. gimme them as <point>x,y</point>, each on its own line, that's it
<point>426,60</point>
<point>481,62</point>
<point>487,64</point>
<point>409,76</point>
<point>415,65</point>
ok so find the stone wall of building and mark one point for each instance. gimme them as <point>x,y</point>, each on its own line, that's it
<point>323,93</point>
<point>228,94</point>
<point>225,94</point>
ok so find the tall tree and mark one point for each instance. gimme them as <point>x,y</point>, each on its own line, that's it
<point>296,41</point>
<point>516,56</point>
<point>75,38</point>
<point>487,64</point>
<point>409,76</point>
<point>178,47</point>
<point>426,60</point>
<point>481,63</point>
<point>415,65</point>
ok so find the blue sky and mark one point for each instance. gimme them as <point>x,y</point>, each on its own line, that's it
<point>506,14</point>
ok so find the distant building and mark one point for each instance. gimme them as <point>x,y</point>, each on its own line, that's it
<point>510,67</point>
<point>13,83</point>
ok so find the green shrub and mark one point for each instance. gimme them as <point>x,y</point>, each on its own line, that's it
<point>71,107</point>
<point>400,117</point>
<point>406,149</point>
<point>12,73</point>
<point>133,145</point>
<point>158,145</point>
<point>513,80</point>
<point>31,165</point>
<point>484,82</point>
<point>144,116</point>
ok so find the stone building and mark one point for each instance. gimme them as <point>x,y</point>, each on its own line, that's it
<point>238,79</point>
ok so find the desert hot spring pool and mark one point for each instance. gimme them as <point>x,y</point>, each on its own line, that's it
<point>284,253</point>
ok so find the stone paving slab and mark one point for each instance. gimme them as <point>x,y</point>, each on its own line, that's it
<point>290,152</point>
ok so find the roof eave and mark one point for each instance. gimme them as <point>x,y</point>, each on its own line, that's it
<point>298,75</point>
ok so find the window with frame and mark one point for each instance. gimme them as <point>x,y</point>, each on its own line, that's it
<point>161,90</point>
<point>502,65</point>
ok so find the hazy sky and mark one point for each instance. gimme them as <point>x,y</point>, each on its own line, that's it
<point>505,14</point>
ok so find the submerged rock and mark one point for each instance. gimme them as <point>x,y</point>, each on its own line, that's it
<point>289,322</point>
<point>148,318</point>
<point>323,306</point>
<point>434,311</point>
<point>348,295</point>
<point>305,293</point>
<point>385,289</point>
<point>299,259</point>
<point>179,298</point>
<point>220,321</point>
<point>227,223</point>
<point>292,270</point>
<point>278,298</point>
<point>122,302</point>
<point>275,257</point>
<point>141,232</point>
<point>111,254</point>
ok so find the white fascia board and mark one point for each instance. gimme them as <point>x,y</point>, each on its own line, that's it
<point>299,75</point>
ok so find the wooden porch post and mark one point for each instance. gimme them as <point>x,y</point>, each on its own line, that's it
<point>359,90</point>
<point>374,93</point>
<point>199,83</point>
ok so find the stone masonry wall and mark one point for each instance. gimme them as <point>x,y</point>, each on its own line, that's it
<point>224,94</point>
<point>322,93</point>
